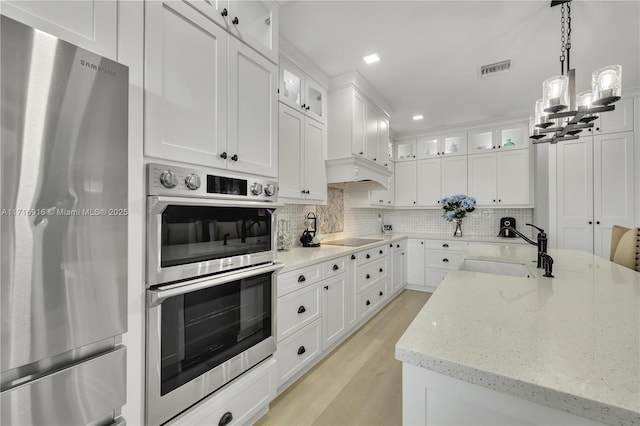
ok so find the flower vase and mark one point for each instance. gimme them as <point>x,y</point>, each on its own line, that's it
<point>458,231</point>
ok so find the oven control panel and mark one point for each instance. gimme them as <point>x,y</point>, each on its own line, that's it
<point>179,181</point>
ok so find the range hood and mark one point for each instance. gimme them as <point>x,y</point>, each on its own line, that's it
<point>357,169</point>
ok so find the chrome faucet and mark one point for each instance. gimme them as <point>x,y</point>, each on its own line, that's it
<point>544,260</point>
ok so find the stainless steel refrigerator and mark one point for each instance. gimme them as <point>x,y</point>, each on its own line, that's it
<point>63,231</point>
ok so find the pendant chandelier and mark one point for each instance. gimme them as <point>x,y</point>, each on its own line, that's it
<point>561,114</point>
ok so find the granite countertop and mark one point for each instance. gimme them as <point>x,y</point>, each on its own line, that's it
<point>571,342</point>
<point>300,257</point>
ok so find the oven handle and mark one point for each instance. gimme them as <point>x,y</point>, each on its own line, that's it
<point>156,296</point>
<point>157,203</point>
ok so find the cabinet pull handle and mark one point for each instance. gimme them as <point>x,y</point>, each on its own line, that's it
<point>391,245</point>
<point>381,294</point>
<point>445,245</point>
<point>326,287</point>
<point>301,279</point>
<point>302,309</point>
<point>368,276</point>
<point>597,222</point>
<point>368,303</point>
<point>445,260</point>
<point>397,245</point>
<point>494,200</point>
<point>499,200</point>
<point>381,251</point>
<point>336,267</point>
<point>234,157</point>
<point>368,256</point>
<point>224,12</point>
<point>235,21</point>
<point>493,147</point>
<point>361,153</point>
<point>223,155</point>
<point>374,159</point>
<point>301,350</point>
<point>353,257</point>
<point>381,270</point>
<point>421,242</point>
<point>590,223</point>
<point>226,417</point>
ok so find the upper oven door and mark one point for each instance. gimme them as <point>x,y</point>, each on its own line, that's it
<point>193,237</point>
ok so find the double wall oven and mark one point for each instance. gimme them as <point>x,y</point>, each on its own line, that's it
<point>210,283</point>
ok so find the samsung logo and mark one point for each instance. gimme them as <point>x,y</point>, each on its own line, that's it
<point>97,68</point>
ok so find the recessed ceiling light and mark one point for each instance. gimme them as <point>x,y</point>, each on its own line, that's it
<point>418,117</point>
<point>370,59</point>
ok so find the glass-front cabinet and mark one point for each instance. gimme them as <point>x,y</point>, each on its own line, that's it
<point>510,136</point>
<point>427,147</point>
<point>301,92</point>
<point>445,145</point>
<point>405,150</point>
<point>481,140</point>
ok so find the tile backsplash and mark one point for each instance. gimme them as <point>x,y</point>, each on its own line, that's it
<point>358,221</point>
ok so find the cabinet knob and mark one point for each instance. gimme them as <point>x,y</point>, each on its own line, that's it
<point>445,260</point>
<point>361,153</point>
<point>421,242</point>
<point>597,129</point>
<point>224,12</point>
<point>368,276</point>
<point>326,287</point>
<point>235,21</point>
<point>381,251</point>
<point>390,245</point>
<point>499,146</point>
<point>307,191</point>
<point>381,270</point>
<point>301,279</point>
<point>597,222</point>
<point>303,106</point>
<point>494,200</point>
<point>301,350</point>
<point>499,200</point>
<point>234,157</point>
<point>445,245</point>
<point>414,156</point>
<point>353,257</point>
<point>493,147</point>
<point>302,191</point>
<point>381,294</point>
<point>308,108</point>
<point>375,159</point>
<point>368,256</point>
<point>590,223</point>
<point>225,419</point>
<point>223,155</point>
<point>397,245</point>
<point>335,267</point>
<point>302,309</point>
<point>368,303</point>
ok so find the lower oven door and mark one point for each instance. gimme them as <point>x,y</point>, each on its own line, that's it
<point>203,333</point>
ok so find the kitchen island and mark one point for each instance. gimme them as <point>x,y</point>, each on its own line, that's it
<point>496,349</point>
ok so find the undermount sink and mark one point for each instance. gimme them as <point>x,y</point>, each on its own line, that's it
<point>495,267</point>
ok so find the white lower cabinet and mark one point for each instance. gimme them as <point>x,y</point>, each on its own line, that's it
<point>297,351</point>
<point>398,267</point>
<point>334,308</point>
<point>298,309</point>
<point>442,256</point>
<point>241,401</point>
<point>415,261</point>
<point>370,299</point>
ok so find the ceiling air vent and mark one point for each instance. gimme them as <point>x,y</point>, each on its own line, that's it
<point>503,66</point>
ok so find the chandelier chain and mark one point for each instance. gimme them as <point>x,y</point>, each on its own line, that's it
<point>562,39</point>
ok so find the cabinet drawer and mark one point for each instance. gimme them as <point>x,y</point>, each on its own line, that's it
<point>371,254</point>
<point>243,398</point>
<point>335,266</point>
<point>370,273</point>
<point>294,280</point>
<point>435,276</point>
<point>295,310</point>
<point>371,298</point>
<point>446,245</point>
<point>298,350</point>
<point>444,259</point>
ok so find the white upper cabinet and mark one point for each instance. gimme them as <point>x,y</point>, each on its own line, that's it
<point>618,120</point>
<point>429,182</point>
<point>90,24</point>
<point>405,184</point>
<point>255,22</point>
<point>508,136</point>
<point>442,145</point>
<point>301,92</point>
<point>500,178</point>
<point>371,150</point>
<point>405,150</point>
<point>214,110</point>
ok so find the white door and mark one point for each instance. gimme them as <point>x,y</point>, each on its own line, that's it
<point>315,179</point>
<point>315,99</point>
<point>575,194</point>
<point>454,175</point>
<point>359,121</point>
<point>415,261</point>
<point>396,281</point>
<point>255,22</point>
<point>291,84</point>
<point>253,119</point>
<point>334,308</point>
<point>185,90</point>
<point>371,150</point>
<point>513,177</point>
<point>482,178</point>
<point>385,150</point>
<point>429,182</point>
<point>291,133</point>
<point>613,187</point>
<point>405,183</point>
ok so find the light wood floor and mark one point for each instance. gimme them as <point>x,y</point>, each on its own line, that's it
<point>360,382</point>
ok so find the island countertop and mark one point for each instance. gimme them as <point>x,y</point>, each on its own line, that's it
<point>571,342</point>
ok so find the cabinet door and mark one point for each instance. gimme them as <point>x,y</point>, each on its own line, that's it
<point>253,120</point>
<point>405,150</point>
<point>613,187</point>
<point>415,261</point>
<point>481,141</point>
<point>185,90</point>
<point>575,194</point>
<point>429,182</point>
<point>428,147</point>
<point>454,175</point>
<point>315,179</point>
<point>513,178</point>
<point>618,120</point>
<point>315,99</point>
<point>514,136</point>
<point>255,22</point>
<point>359,124</point>
<point>383,197</point>
<point>405,183</point>
<point>291,134</point>
<point>384,155</point>
<point>334,308</point>
<point>371,150</point>
<point>482,178</point>
<point>398,270</point>
<point>216,10</point>
<point>90,24</point>
<point>291,84</point>
<point>454,144</point>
